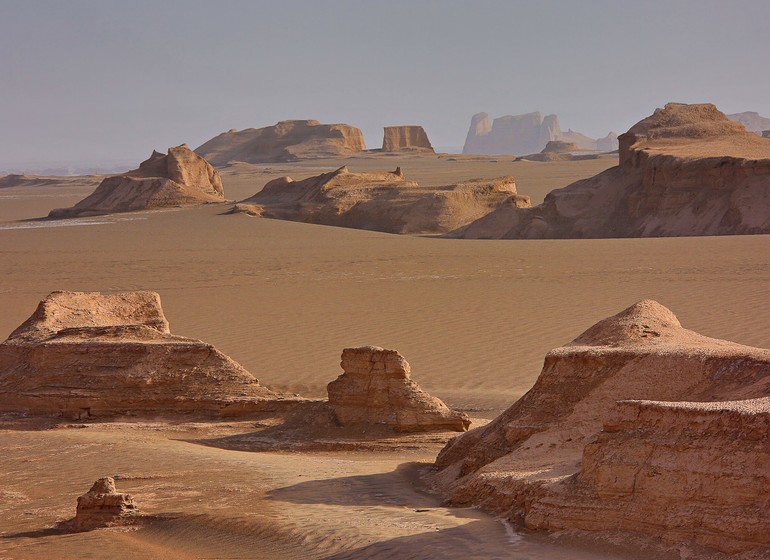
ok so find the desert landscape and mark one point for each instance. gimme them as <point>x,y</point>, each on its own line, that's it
<point>290,340</point>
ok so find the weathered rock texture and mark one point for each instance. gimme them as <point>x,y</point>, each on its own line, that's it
<point>396,138</point>
<point>559,150</point>
<point>381,201</point>
<point>541,462</point>
<point>685,170</point>
<point>525,134</point>
<point>753,121</point>
<point>376,389</point>
<point>92,354</point>
<point>179,178</point>
<point>103,506</point>
<point>285,141</point>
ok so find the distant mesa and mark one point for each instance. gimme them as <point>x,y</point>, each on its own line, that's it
<point>636,415</point>
<point>180,178</point>
<point>376,388</point>
<point>560,147</point>
<point>686,170</point>
<point>380,201</point>
<point>559,150</point>
<point>526,134</point>
<point>89,354</point>
<point>103,506</point>
<point>753,121</point>
<point>400,138</point>
<point>15,180</point>
<point>283,142</point>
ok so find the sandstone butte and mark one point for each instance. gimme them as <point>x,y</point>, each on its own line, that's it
<point>638,425</point>
<point>376,388</point>
<point>283,142</point>
<point>397,138</point>
<point>103,506</point>
<point>686,170</point>
<point>381,201</point>
<point>526,134</point>
<point>179,178</point>
<point>92,354</point>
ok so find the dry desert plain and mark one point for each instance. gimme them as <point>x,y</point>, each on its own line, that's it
<point>473,317</point>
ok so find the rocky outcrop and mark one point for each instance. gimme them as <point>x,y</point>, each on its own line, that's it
<point>285,141</point>
<point>397,138</point>
<point>685,170</point>
<point>525,134</point>
<point>376,389</point>
<point>87,354</point>
<point>381,201</point>
<point>103,506</point>
<point>179,178</point>
<point>559,147</point>
<point>753,121</point>
<point>543,453</point>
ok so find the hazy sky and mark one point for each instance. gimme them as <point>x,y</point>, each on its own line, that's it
<point>101,80</point>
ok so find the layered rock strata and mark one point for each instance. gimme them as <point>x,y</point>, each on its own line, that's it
<point>543,454</point>
<point>103,506</point>
<point>91,354</point>
<point>397,138</point>
<point>376,389</point>
<point>179,178</point>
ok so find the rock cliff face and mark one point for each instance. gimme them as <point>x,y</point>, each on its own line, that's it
<point>179,178</point>
<point>543,453</point>
<point>685,170</point>
<point>396,138</point>
<point>103,506</point>
<point>753,121</point>
<point>381,201</point>
<point>92,354</point>
<point>285,141</point>
<point>376,389</point>
<point>525,134</point>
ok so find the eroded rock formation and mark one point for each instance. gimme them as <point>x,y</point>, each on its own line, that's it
<point>685,170</point>
<point>285,141</point>
<point>179,178</point>
<point>103,506</point>
<point>542,463</point>
<point>396,138</point>
<point>753,121</point>
<point>381,201</point>
<point>91,354</point>
<point>376,389</point>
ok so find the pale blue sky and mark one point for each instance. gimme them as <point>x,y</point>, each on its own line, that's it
<point>102,80</point>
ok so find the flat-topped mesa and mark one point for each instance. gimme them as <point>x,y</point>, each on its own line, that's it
<point>380,201</point>
<point>753,121</point>
<point>526,463</point>
<point>286,141</point>
<point>103,506</point>
<point>91,354</point>
<point>559,147</point>
<point>179,178</point>
<point>411,137</point>
<point>685,170</point>
<point>376,389</point>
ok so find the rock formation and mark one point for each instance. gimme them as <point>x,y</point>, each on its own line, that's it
<point>558,150</point>
<point>653,465</point>
<point>285,141</point>
<point>396,138</point>
<point>685,170</point>
<point>92,354</point>
<point>381,201</point>
<point>559,147</point>
<point>103,506</point>
<point>753,121</point>
<point>376,389</point>
<point>525,134</point>
<point>179,178</point>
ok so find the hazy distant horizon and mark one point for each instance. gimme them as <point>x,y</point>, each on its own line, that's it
<point>89,81</point>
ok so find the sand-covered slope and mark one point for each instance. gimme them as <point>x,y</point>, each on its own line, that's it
<point>381,201</point>
<point>179,178</point>
<point>686,170</point>
<point>285,141</point>
<point>92,354</point>
<point>529,458</point>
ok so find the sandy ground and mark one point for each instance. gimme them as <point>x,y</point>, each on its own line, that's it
<point>474,319</point>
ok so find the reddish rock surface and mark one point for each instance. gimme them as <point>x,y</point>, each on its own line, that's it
<point>396,138</point>
<point>103,506</point>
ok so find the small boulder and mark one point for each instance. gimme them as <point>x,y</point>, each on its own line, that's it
<point>103,506</point>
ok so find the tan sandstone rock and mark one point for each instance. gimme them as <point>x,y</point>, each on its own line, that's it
<point>396,138</point>
<point>541,462</point>
<point>179,178</point>
<point>376,389</point>
<point>103,506</point>
<point>87,354</point>
<point>285,141</point>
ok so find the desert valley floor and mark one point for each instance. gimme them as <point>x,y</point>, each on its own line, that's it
<point>473,317</point>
